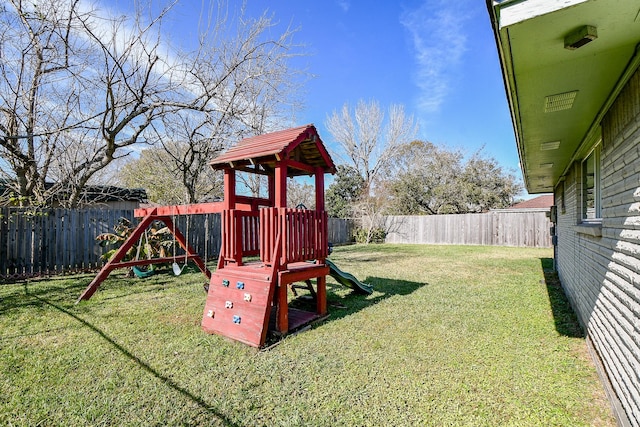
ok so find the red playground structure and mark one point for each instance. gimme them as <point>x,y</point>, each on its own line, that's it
<point>265,246</point>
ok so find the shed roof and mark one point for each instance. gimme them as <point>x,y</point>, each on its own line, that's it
<point>301,145</point>
<point>90,194</point>
<point>545,201</point>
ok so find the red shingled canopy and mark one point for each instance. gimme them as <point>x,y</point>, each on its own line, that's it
<point>301,147</point>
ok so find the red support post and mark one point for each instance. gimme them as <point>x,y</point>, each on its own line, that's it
<point>319,189</point>
<point>271,183</point>
<point>281,184</point>
<point>321,295</point>
<point>282,312</point>
<point>236,234</point>
<point>229,189</point>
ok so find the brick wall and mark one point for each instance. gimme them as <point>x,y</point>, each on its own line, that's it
<point>600,267</point>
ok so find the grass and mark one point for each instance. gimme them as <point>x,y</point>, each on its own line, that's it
<point>452,336</point>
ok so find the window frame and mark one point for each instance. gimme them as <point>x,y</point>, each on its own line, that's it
<point>596,216</point>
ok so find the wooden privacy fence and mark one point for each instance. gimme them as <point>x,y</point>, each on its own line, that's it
<point>37,242</point>
<point>504,227</point>
<point>340,230</point>
<point>57,241</point>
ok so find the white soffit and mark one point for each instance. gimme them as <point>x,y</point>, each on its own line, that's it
<point>512,12</point>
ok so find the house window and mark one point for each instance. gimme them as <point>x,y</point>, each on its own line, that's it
<point>563,208</point>
<point>591,186</point>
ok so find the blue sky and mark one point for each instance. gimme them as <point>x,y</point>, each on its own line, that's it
<point>436,57</point>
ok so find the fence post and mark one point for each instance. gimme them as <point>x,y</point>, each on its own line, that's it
<point>4,231</point>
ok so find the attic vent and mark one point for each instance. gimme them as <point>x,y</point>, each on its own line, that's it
<point>559,102</point>
<point>551,145</point>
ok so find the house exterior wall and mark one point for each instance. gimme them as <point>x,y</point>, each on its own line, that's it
<point>599,267</point>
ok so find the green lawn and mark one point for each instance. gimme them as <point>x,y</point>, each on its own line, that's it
<point>452,335</point>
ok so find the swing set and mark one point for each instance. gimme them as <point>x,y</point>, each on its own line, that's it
<point>165,214</point>
<point>266,247</point>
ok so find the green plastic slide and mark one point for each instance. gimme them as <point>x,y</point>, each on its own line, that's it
<point>348,279</point>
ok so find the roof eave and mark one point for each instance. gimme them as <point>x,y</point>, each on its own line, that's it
<point>508,79</point>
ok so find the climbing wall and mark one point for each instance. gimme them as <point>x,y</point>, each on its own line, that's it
<point>239,305</point>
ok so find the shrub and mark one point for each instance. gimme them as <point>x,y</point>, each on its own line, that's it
<point>375,235</point>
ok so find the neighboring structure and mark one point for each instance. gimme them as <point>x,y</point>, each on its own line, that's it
<point>102,196</point>
<point>111,197</point>
<point>541,202</point>
<point>572,81</point>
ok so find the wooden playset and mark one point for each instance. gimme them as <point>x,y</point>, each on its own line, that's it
<point>265,246</point>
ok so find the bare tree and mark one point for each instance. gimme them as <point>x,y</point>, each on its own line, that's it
<point>300,193</point>
<point>154,170</point>
<point>366,140</point>
<point>37,47</point>
<point>247,88</point>
<point>370,144</point>
<point>80,88</point>
<point>189,144</point>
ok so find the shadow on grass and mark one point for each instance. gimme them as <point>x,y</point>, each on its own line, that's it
<point>164,276</point>
<point>166,380</point>
<point>16,296</point>
<point>20,296</point>
<point>563,315</point>
<point>342,306</point>
<point>145,288</point>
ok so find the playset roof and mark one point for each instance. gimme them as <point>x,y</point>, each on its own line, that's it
<point>301,147</point>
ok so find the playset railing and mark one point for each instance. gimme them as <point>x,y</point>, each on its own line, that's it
<point>240,237</point>
<point>249,233</point>
<point>304,235</point>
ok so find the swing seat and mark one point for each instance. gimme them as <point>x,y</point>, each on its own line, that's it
<point>143,273</point>
<point>177,270</point>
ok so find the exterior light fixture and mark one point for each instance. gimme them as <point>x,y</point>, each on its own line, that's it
<point>580,36</point>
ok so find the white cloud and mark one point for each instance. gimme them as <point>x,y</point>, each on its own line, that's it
<point>438,39</point>
<point>344,5</point>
